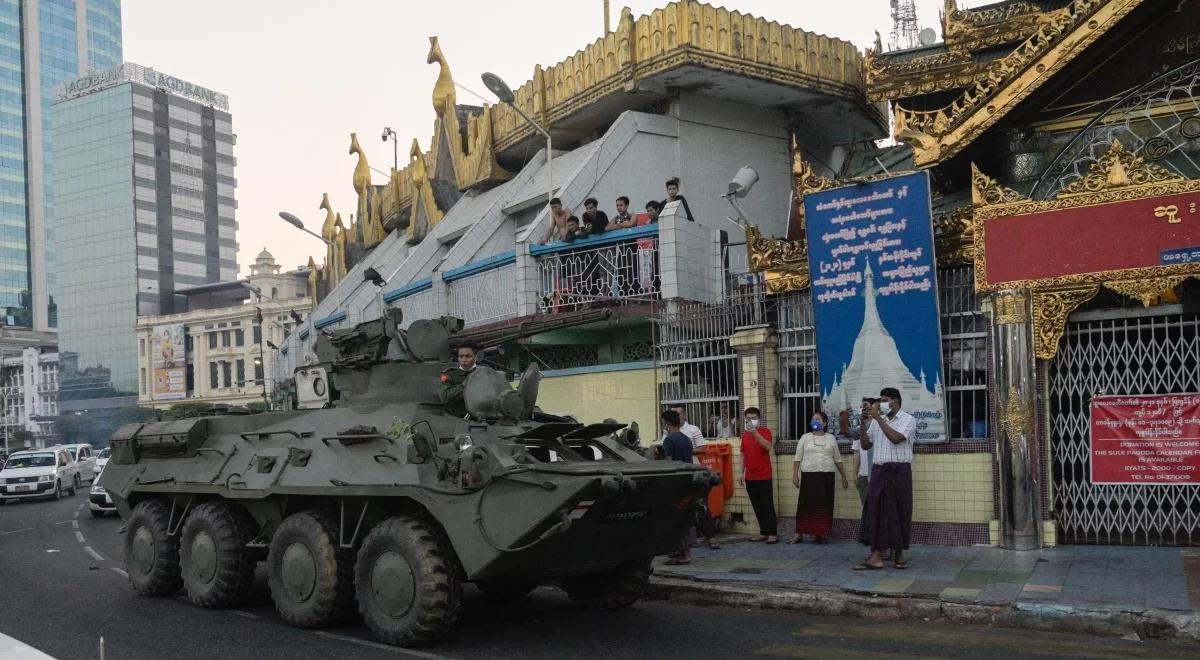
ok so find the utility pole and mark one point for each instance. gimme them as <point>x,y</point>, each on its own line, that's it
<point>904,24</point>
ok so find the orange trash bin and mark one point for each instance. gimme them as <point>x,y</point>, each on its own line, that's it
<point>717,457</point>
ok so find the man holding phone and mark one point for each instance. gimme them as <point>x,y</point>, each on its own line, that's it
<point>887,514</point>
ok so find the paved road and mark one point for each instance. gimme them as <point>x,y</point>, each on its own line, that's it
<point>62,588</point>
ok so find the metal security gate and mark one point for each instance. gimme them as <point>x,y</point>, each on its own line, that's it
<point>1119,352</point>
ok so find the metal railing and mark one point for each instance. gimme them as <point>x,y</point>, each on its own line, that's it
<point>416,306</point>
<point>575,275</point>
<point>488,295</point>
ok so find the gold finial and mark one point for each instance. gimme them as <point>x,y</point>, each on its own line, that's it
<point>443,89</point>
<point>327,226</point>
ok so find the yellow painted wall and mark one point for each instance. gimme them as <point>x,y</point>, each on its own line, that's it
<point>947,488</point>
<point>626,396</point>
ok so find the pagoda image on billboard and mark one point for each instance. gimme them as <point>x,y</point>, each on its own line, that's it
<point>875,363</point>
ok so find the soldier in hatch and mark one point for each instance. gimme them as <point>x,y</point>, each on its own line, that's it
<point>454,380</point>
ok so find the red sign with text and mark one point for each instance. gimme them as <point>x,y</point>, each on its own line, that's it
<point>1152,439</point>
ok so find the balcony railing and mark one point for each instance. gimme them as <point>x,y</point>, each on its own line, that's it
<point>485,292</point>
<point>614,267</point>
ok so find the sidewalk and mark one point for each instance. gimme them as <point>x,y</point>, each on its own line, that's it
<point>1117,590</point>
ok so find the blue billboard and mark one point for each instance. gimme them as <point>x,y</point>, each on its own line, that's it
<point>874,293</point>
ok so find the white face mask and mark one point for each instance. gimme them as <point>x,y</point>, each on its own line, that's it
<point>885,408</point>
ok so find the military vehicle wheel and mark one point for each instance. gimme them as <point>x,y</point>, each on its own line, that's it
<point>217,568</point>
<point>311,576</point>
<point>619,588</point>
<point>151,556</point>
<point>503,589</point>
<point>407,583</point>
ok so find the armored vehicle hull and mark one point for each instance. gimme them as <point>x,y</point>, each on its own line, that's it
<point>381,499</point>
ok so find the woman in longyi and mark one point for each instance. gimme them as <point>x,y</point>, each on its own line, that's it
<point>817,456</point>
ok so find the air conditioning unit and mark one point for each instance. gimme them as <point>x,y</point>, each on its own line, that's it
<point>312,388</point>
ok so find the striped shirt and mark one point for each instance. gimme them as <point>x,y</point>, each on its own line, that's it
<point>885,450</point>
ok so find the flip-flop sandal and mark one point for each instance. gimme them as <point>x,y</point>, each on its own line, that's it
<point>770,542</point>
<point>678,562</point>
<point>756,539</point>
<point>796,540</point>
<point>862,567</point>
<point>901,564</point>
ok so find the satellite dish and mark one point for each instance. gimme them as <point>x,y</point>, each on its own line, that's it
<point>927,37</point>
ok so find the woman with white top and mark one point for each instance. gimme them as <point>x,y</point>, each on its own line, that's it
<point>817,456</point>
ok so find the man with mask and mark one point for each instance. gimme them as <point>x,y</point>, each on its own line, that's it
<point>887,514</point>
<point>454,380</point>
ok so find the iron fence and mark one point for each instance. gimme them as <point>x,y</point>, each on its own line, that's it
<point>800,382</point>
<point>487,296</point>
<point>574,279</point>
<point>965,337</point>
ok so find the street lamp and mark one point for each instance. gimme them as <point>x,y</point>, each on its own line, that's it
<point>295,222</point>
<point>371,275</point>
<point>388,132</point>
<point>497,86</point>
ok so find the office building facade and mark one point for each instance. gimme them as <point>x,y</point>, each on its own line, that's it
<point>144,175</point>
<point>42,44</point>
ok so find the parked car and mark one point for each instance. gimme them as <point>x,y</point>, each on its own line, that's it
<point>99,503</point>
<point>85,459</point>
<point>38,473</point>
<point>102,460</point>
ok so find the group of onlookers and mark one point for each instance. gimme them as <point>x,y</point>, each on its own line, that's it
<point>567,227</point>
<point>882,454</point>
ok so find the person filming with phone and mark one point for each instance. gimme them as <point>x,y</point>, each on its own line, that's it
<point>887,514</point>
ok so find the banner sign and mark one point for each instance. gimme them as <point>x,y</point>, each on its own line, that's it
<point>1153,439</point>
<point>1019,250</point>
<point>168,362</point>
<point>874,293</point>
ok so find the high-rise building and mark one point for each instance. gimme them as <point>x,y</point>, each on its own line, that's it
<point>42,43</point>
<point>145,205</point>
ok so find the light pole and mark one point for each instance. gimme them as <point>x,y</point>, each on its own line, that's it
<point>388,132</point>
<point>371,275</point>
<point>503,92</point>
<point>295,222</point>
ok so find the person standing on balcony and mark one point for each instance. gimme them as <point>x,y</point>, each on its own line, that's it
<point>653,208</point>
<point>674,196</point>
<point>757,445</point>
<point>817,456</point>
<point>593,218</point>
<point>622,219</point>
<point>558,221</point>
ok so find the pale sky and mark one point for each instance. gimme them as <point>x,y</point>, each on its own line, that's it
<point>301,75</point>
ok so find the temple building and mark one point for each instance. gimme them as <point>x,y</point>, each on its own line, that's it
<point>1060,140</point>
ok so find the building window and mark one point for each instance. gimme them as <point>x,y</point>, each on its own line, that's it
<point>212,340</point>
<point>145,388</point>
<point>212,375</point>
<point>142,347</point>
<point>191,377</point>
<point>258,334</point>
<point>227,373</point>
<point>239,337</point>
<point>258,373</point>
<point>241,372</point>
<point>187,343</point>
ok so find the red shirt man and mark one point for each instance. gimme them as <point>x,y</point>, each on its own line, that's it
<point>757,455</point>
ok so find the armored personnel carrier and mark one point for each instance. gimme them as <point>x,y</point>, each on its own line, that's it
<point>370,496</point>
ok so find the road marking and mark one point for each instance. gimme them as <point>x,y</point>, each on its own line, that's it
<point>17,531</point>
<point>95,555</point>
<point>75,524</point>
<point>376,645</point>
<point>63,522</point>
<point>76,514</point>
<point>246,615</point>
<point>79,536</point>
<point>118,571</point>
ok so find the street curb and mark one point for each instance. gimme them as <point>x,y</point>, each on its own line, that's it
<point>1147,623</point>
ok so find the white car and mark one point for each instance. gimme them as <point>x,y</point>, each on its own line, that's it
<point>99,503</point>
<point>85,460</point>
<point>101,461</point>
<point>38,473</point>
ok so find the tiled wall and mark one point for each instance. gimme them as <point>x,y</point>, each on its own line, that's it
<point>950,491</point>
<point>626,396</point>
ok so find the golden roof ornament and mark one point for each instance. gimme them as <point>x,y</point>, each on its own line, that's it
<point>443,89</point>
<point>1118,168</point>
<point>986,191</point>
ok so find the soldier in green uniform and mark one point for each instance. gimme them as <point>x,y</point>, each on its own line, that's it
<point>454,380</point>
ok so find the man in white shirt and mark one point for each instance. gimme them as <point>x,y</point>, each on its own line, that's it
<point>692,431</point>
<point>887,513</point>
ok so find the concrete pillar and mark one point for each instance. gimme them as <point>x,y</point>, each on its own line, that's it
<point>528,285</point>
<point>1020,503</point>
<point>440,294</point>
<point>757,349</point>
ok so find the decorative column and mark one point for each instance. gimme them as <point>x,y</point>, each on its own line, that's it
<point>1020,509</point>
<point>759,361</point>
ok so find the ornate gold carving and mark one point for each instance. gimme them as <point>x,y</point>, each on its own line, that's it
<point>443,88</point>
<point>788,258</point>
<point>993,201</point>
<point>1015,419</point>
<point>1010,308</point>
<point>778,282</point>
<point>1060,36</point>
<point>1050,312</point>
<point>1118,168</point>
<point>986,191</point>
<point>1147,291</point>
<point>954,236</point>
<point>991,26</point>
